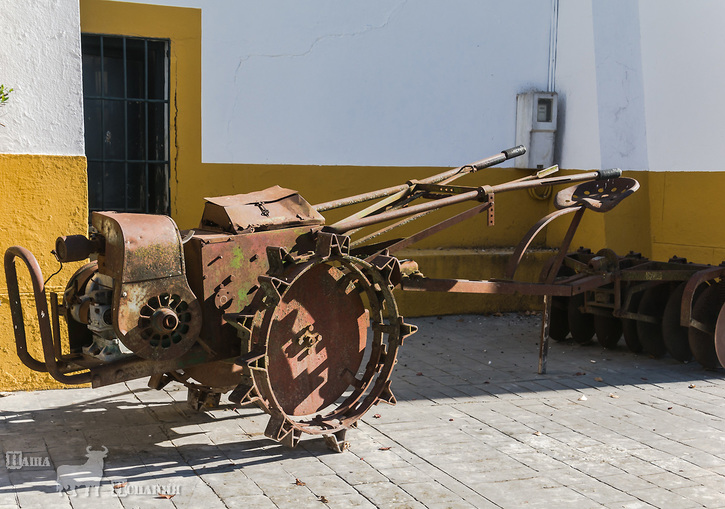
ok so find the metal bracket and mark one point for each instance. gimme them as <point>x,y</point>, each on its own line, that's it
<point>262,208</point>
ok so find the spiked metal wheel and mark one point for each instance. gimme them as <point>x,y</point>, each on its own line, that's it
<point>322,347</point>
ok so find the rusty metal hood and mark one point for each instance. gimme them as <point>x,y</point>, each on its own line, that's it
<point>270,209</point>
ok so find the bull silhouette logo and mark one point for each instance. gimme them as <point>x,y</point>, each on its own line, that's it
<point>71,477</point>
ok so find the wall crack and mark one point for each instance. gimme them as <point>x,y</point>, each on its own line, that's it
<point>302,54</point>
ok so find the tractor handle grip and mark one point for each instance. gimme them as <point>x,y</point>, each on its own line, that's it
<point>512,152</point>
<point>611,173</point>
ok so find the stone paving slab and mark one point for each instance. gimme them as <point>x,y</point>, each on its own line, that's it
<point>475,427</point>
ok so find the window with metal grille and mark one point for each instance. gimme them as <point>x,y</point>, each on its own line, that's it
<point>126,102</point>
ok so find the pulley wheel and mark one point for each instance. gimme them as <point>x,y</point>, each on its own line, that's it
<point>581,324</point>
<point>78,333</point>
<point>654,300</point>
<point>705,310</point>
<point>674,334</point>
<point>608,330</point>
<point>316,340</point>
<point>629,326</point>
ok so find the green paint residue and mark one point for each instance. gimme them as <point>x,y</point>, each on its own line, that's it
<point>242,299</point>
<point>237,258</point>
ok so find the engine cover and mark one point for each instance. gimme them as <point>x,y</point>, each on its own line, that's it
<point>155,313</point>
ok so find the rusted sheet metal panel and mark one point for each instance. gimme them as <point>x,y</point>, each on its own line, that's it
<point>139,247</point>
<point>223,272</point>
<point>270,209</point>
<point>143,254</point>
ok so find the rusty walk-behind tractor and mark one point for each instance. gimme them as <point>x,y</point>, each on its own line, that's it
<point>267,302</point>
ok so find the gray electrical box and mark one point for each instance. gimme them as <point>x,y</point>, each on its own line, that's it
<point>536,128</point>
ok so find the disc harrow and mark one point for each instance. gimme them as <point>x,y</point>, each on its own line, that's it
<point>660,308</point>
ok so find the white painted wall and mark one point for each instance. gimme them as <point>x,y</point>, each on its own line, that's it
<point>40,58</point>
<point>429,82</point>
<point>642,84</point>
<point>372,82</point>
<point>576,84</point>
<point>683,56</point>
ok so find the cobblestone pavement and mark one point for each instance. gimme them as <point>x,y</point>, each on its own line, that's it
<point>475,426</point>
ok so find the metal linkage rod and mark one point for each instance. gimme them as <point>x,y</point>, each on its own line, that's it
<point>463,170</point>
<point>351,224</point>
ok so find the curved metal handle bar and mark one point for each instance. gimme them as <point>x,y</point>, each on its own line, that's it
<point>525,242</point>
<point>16,307</point>
<point>51,364</point>
<point>688,295</point>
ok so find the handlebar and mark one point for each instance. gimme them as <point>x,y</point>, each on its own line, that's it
<point>610,173</point>
<point>51,365</point>
<point>447,175</point>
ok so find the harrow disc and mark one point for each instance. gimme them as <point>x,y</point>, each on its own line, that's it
<point>720,336</point>
<point>702,342</point>
<point>674,334</point>
<point>581,324</point>
<point>558,319</point>
<point>629,326</point>
<point>608,330</point>
<point>652,305</point>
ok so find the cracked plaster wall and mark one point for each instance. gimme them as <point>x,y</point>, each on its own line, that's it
<point>405,83</point>
<point>374,83</point>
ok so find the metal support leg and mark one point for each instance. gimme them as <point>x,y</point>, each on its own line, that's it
<point>544,342</point>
